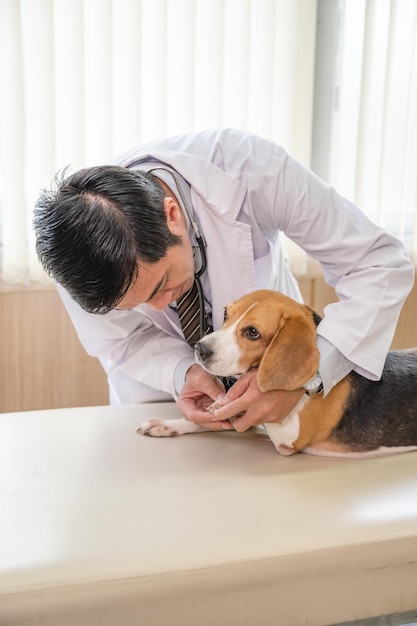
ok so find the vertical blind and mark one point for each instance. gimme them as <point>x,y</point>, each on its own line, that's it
<point>374,128</point>
<point>82,80</point>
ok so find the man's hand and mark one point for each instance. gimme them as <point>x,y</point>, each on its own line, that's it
<point>200,390</point>
<point>253,407</point>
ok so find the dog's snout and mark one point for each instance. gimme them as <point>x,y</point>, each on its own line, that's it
<point>202,351</point>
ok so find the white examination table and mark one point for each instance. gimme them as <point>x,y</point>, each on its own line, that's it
<point>99,525</point>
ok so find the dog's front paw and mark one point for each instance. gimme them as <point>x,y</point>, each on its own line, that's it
<point>168,428</point>
<point>158,428</point>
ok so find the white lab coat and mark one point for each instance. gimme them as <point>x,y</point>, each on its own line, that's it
<point>244,190</point>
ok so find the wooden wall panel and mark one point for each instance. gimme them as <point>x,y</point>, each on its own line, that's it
<point>43,365</point>
<point>405,335</point>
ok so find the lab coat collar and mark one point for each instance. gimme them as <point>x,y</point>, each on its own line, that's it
<point>197,171</point>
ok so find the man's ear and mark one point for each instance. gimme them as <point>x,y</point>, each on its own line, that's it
<point>292,357</point>
<point>173,214</point>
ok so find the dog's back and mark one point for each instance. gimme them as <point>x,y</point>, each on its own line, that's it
<point>382,414</point>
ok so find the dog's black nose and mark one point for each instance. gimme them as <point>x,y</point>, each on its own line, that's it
<point>202,352</point>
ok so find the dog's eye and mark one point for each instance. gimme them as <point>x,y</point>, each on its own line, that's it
<point>224,314</point>
<point>251,333</point>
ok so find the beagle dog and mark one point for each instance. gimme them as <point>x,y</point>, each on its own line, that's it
<point>277,335</point>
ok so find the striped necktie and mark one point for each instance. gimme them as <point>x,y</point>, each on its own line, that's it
<point>188,308</point>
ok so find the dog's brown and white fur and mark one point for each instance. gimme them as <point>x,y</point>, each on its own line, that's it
<point>359,417</point>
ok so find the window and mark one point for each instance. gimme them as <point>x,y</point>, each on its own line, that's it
<point>86,79</point>
<point>365,120</point>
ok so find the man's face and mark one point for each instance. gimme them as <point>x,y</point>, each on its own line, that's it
<point>158,284</point>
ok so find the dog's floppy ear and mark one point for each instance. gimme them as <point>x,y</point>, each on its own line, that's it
<point>291,358</point>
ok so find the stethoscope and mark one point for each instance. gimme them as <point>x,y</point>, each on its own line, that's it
<point>199,237</point>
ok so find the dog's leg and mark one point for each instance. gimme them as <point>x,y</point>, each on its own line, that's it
<point>285,434</point>
<point>169,428</point>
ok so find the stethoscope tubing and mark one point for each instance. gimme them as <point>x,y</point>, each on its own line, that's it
<point>199,239</point>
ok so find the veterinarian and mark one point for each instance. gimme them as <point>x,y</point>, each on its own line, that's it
<point>212,203</point>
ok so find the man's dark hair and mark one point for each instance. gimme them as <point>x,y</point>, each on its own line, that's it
<point>94,228</point>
